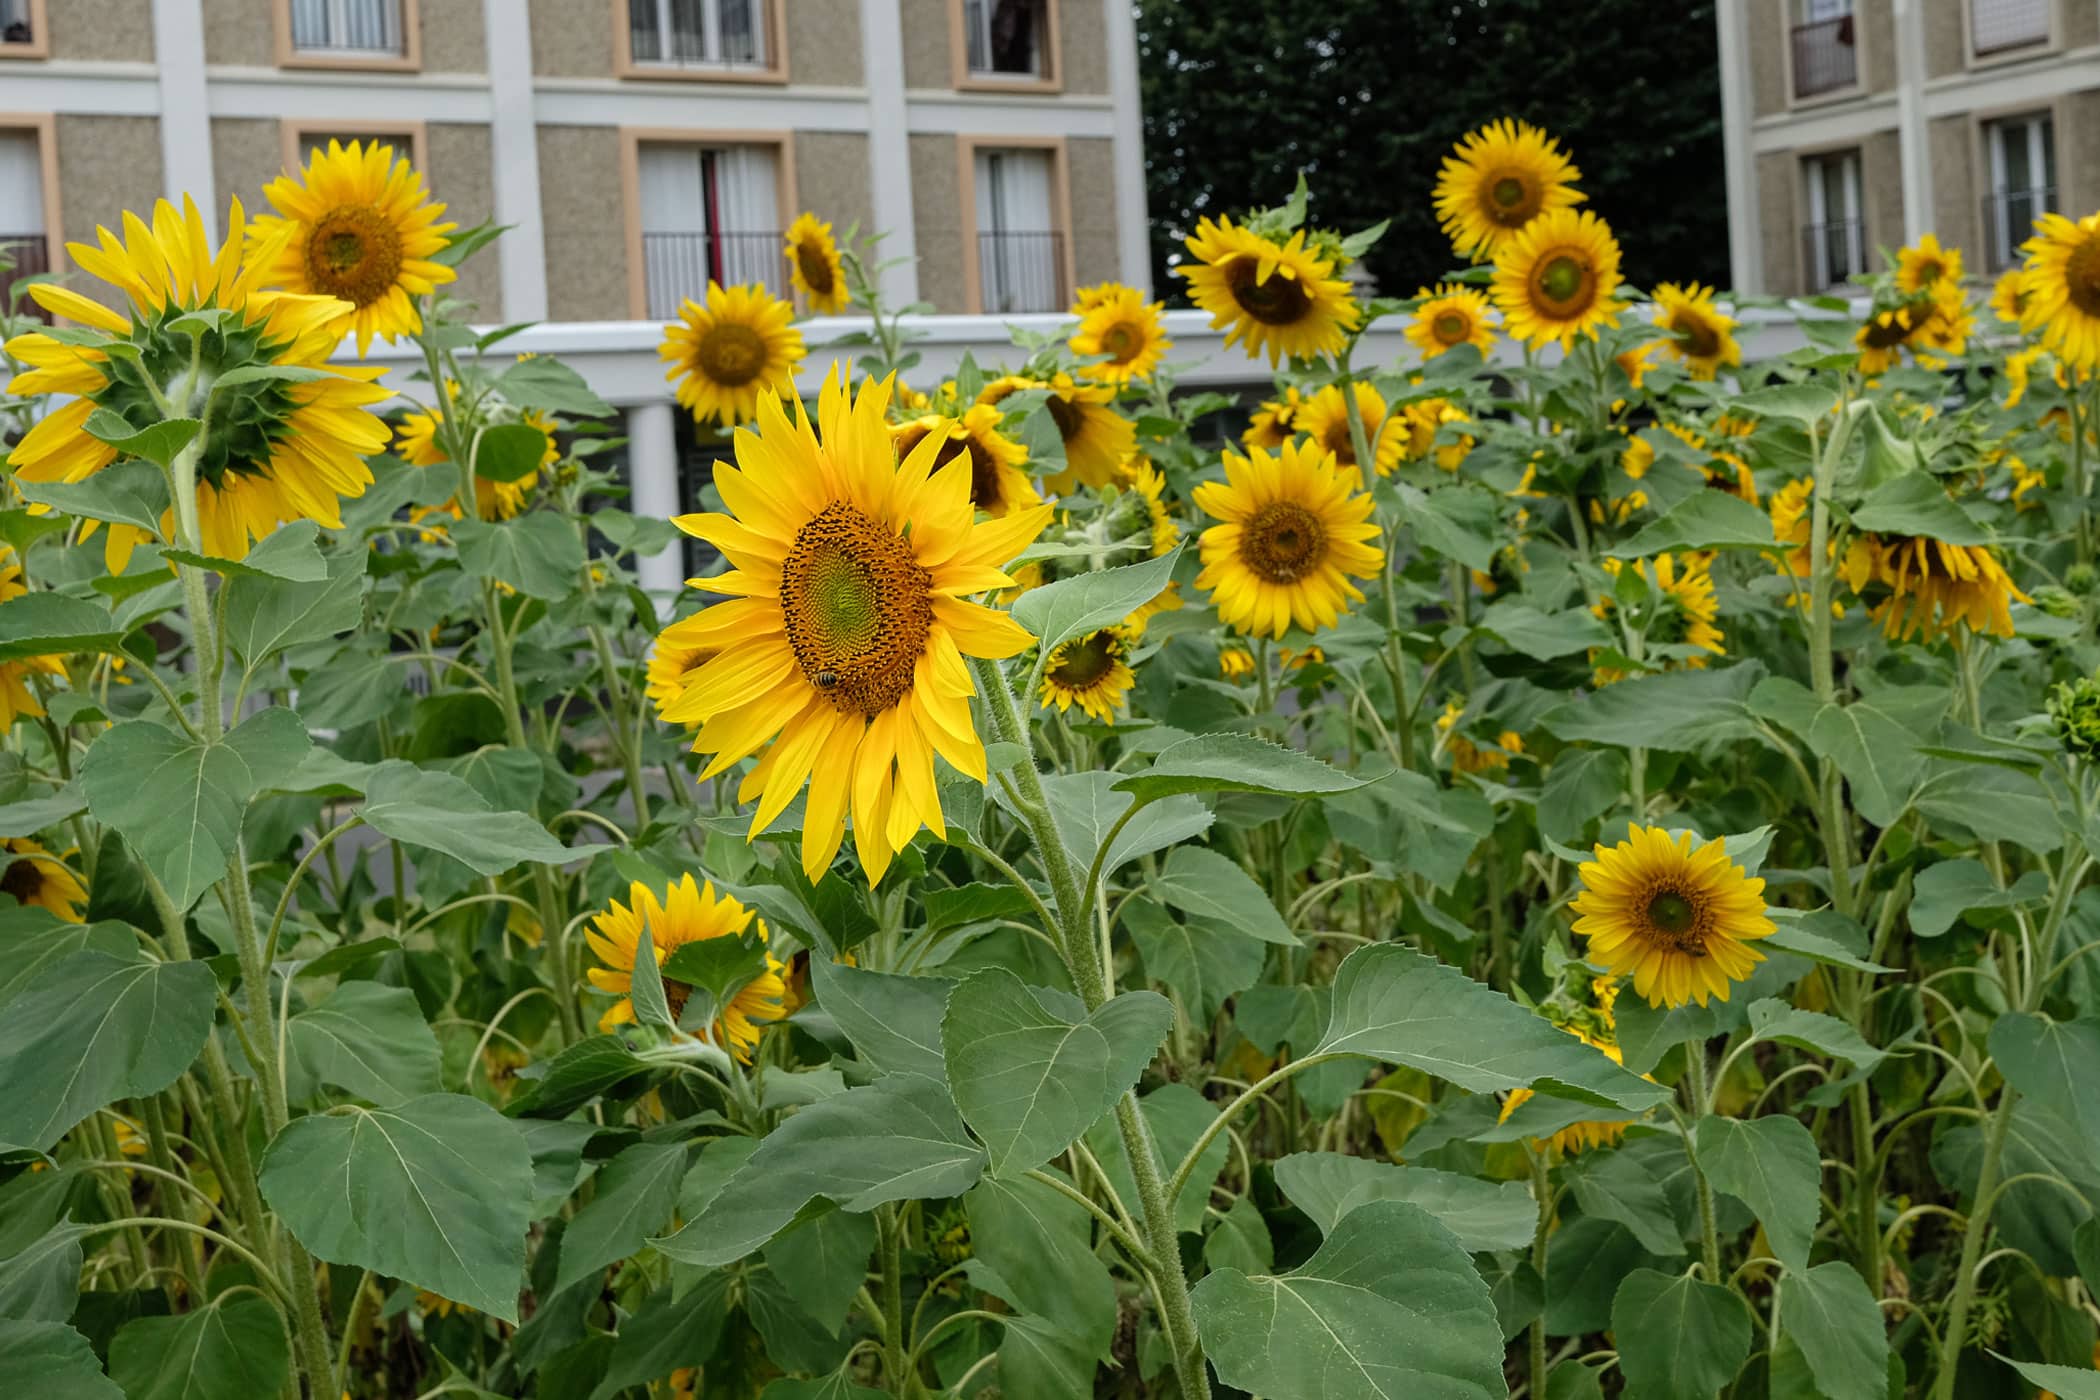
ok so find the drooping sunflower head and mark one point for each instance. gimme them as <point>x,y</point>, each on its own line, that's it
<point>1279,298</point>
<point>35,876</point>
<point>813,256</point>
<point>1325,419</point>
<point>1698,334</point>
<point>2060,288</point>
<point>1496,181</point>
<point>1096,437</point>
<point>1273,424</point>
<point>1920,267</point>
<point>1093,672</point>
<point>838,659</point>
<point>997,483</point>
<point>1791,527</point>
<point>1681,611</point>
<point>1467,756</point>
<point>728,353</point>
<point>1882,338</point>
<point>359,227</point>
<point>1676,917</point>
<point>1295,534</point>
<point>1122,325</point>
<point>1554,278</point>
<point>1087,298</point>
<point>1449,317</point>
<point>684,913</point>
<point>1918,585</point>
<point>1235,663</point>
<point>1944,324</point>
<point>281,449</point>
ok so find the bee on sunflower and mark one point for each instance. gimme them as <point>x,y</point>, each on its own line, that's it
<point>727,353</point>
<point>1680,919</point>
<point>1496,181</point>
<point>1294,535</point>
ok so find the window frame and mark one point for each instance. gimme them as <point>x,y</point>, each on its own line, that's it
<point>1987,124</point>
<point>966,150</point>
<point>409,60</point>
<point>1790,17</point>
<point>43,129</point>
<point>633,138</point>
<point>963,79</point>
<point>772,14</point>
<point>39,45</point>
<point>2052,40</point>
<point>1854,193</point>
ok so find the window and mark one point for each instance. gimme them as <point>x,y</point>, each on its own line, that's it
<point>22,29</point>
<point>708,214</point>
<point>697,33</point>
<point>23,238</point>
<point>1834,239</point>
<point>314,141</point>
<point>2022,156</point>
<point>353,29</point>
<point>1020,251</point>
<point>1006,38</point>
<point>1998,25</point>
<point>1825,51</point>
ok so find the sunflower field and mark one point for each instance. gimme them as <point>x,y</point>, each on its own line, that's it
<point>1554,866</point>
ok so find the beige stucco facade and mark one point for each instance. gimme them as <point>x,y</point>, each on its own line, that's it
<point>108,31</point>
<point>831,178</point>
<point>586,244</point>
<point>936,197</point>
<point>571,38</point>
<point>823,42</point>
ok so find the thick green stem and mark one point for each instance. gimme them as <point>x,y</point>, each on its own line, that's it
<point>896,1366</point>
<point>1954,1326</point>
<point>1709,1231</point>
<point>1542,1189</point>
<point>1830,807</point>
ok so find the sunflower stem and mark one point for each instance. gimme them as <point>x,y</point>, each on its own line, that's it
<point>1702,1104</point>
<point>1542,1190</point>
<point>896,1368</point>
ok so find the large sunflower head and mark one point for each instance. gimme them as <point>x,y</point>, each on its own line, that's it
<point>1921,267</point>
<point>2060,288</point>
<point>1698,334</point>
<point>1676,917</point>
<point>813,255</point>
<point>1296,532</point>
<point>1325,419</point>
<point>35,876</point>
<point>1096,437</point>
<point>685,913</point>
<point>356,225</point>
<point>1918,585</point>
<point>838,658</point>
<point>728,353</point>
<point>1449,317</point>
<point>1093,672</point>
<point>997,483</point>
<point>1496,181</point>
<point>1279,298</point>
<point>281,449</point>
<point>1275,422</point>
<point>1554,278</point>
<point>1122,325</point>
<point>1682,611</point>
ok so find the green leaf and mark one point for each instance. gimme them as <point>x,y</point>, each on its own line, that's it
<point>1240,1240</point>
<point>839,1385</point>
<point>1774,1019</point>
<point>52,1362</point>
<point>32,938</point>
<point>1680,1338</point>
<point>1032,1069</point>
<point>1177,1115</point>
<point>716,969</point>
<point>1541,636</point>
<point>1087,807</point>
<point>1235,763</point>
<point>288,553</point>
<point>538,554</point>
<point>1039,1361</point>
<point>577,1075</point>
<point>55,624</point>
<point>1942,893</point>
<point>898,1139</point>
<point>2064,1382</point>
<point>1831,1315</point>
<point>1874,743</point>
<point>1702,520</point>
<point>1809,936</point>
<point>1773,1166</point>
<point>893,1021</point>
<point>822,1260</point>
<point>1199,881</point>
<point>436,1192</point>
<point>1200,961</point>
<point>1917,504</point>
<point>1041,1242</point>
<point>2055,1063</point>
<point>1806,404</point>
<point>510,452</point>
<point>667,1332</point>
<point>1678,711</point>
<point>1392,1003</point>
<point>265,615</point>
<point>369,1039</point>
<point>159,443</point>
<point>1994,803</point>
<point>123,493</point>
<point>645,988</point>
<point>1582,785</point>
<point>92,1028</point>
<point>177,800</point>
<point>36,814</point>
<point>1390,1305</point>
<point>1060,611</point>
<point>1455,522</point>
<point>230,1346</point>
<point>40,1282</point>
<point>548,384</point>
<point>439,811</point>
<point>1484,1216</point>
<point>1617,1186</point>
<point>270,374</point>
<point>635,1194</point>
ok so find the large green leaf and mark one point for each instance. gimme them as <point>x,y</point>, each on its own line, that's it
<point>1618,1186</point>
<point>1235,763</point>
<point>893,1021</point>
<point>1680,711</point>
<point>368,1038</point>
<point>1942,893</point>
<point>1874,742</point>
<point>1916,503</point>
<point>177,800</point>
<point>1041,1243</point>
<point>232,1346</point>
<point>1543,637</point>
<point>442,813</point>
<point>1199,881</point>
<point>1176,1116</point>
<point>288,553</point>
<point>1702,520</point>
<point>898,1139</point>
<point>1771,1165</point>
<point>1390,1306</point>
<point>54,624</point>
<point>1679,1338</point>
<point>822,1260</point>
<point>40,1282</point>
<point>1032,1069</point>
<point>1484,1216</point>
<point>509,452</point>
<point>1774,1019</point>
<point>52,1362</point>
<point>1203,962</point>
<point>1039,1360</point>
<point>1392,1003</point>
<point>635,1194</point>
<point>436,1192</point>
<point>1086,807</point>
<point>577,1075</point>
<point>92,1028</point>
<point>2055,1063</point>
<point>546,383</point>
<point>158,442</point>
<point>2064,1382</point>
<point>123,493</point>
<point>28,817</point>
<point>265,615</point>
<point>538,554</point>
<point>1060,611</point>
<point>32,938</point>
<point>1831,1315</point>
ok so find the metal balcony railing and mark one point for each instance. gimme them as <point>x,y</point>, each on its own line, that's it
<point>1021,272</point>
<point>16,25</point>
<point>1998,25</point>
<point>2008,220</point>
<point>676,267</point>
<point>348,27</point>
<point>1826,57</point>
<point>30,253</point>
<point>1833,252</point>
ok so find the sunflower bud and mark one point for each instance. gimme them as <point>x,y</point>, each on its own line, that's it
<point>2082,579</point>
<point>2074,709</point>
<point>2057,602</point>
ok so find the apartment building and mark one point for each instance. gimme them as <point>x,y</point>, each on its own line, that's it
<point>1853,125</point>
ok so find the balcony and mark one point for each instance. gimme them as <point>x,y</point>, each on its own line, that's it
<point>1833,252</point>
<point>676,267</point>
<point>1826,57</point>
<point>31,254</point>
<point>1997,26</point>
<point>2008,220</point>
<point>1019,272</point>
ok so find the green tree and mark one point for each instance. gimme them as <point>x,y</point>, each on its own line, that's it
<point>1367,97</point>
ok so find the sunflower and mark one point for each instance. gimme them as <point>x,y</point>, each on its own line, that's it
<point>1467,756</point>
<point>687,913</point>
<point>1449,317</point>
<point>2019,369</point>
<point>1093,672</point>
<point>1294,533</point>
<point>2006,297</point>
<point>34,876</point>
<point>416,444</point>
<point>1235,663</point>
<point>1554,278</point>
<point>2060,288</point>
<point>1920,585</point>
<point>1682,609</point>
<point>1919,269</point>
<point>1279,298</point>
<point>1087,298</point>
<point>1125,327</point>
<point>727,353</point>
<point>1637,361</point>
<point>997,483</point>
<point>839,652</point>
<point>1575,1137</point>
<point>17,697</point>
<point>1275,421</point>
<point>284,449</point>
<point>1679,921</point>
<point>1881,338</point>
<point>357,225</point>
<point>1496,181</point>
<point>1698,334</point>
<point>1425,418</point>
<point>1792,527</point>
<point>1096,437</point>
<point>813,256</point>
<point>1325,419</point>
<point>672,661</point>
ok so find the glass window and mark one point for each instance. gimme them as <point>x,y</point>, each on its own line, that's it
<point>709,214</point>
<point>1020,250</point>
<point>1834,238</point>
<point>350,27</point>
<point>16,24</point>
<point>697,33</point>
<point>1005,38</point>
<point>2022,155</point>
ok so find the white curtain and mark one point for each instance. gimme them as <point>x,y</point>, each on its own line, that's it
<point>21,185</point>
<point>747,190</point>
<point>1019,261</point>
<point>674,199</point>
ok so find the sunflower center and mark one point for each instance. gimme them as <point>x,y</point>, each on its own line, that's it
<point>1335,438</point>
<point>1675,921</point>
<point>1066,415</point>
<point>1697,336</point>
<point>1564,284</point>
<point>730,354</point>
<point>20,880</point>
<point>1283,542</point>
<point>353,253</point>
<point>1085,662</point>
<point>987,491</point>
<point>815,267</point>
<point>1450,328</point>
<point>1122,342</point>
<point>1280,301</point>
<point>1930,272</point>
<point>858,608</point>
<point>1889,332</point>
<point>2082,275</point>
<point>1513,199</point>
<point>676,995</point>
